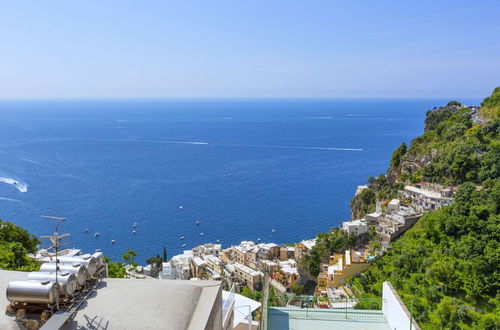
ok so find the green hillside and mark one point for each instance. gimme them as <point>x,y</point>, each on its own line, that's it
<point>447,266</point>
<point>15,244</point>
<point>490,108</point>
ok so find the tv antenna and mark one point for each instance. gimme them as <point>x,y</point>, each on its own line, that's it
<point>54,239</point>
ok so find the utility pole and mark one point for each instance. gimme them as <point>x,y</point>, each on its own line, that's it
<point>54,239</point>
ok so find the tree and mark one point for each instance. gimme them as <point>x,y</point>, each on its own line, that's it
<point>116,270</point>
<point>129,257</point>
<point>15,244</point>
<point>155,261</point>
<point>297,288</point>
<point>164,254</point>
<point>12,233</point>
<point>398,154</point>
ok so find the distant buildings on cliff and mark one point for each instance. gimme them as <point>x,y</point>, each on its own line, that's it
<point>394,217</point>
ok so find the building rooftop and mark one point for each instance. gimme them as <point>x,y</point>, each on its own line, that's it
<point>427,193</point>
<point>357,222</point>
<point>290,270</point>
<point>394,202</point>
<point>198,261</point>
<point>135,304</point>
<point>288,263</point>
<point>309,244</point>
<point>245,246</point>
<point>267,245</point>
<point>247,269</point>
<point>213,259</point>
<point>269,263</point>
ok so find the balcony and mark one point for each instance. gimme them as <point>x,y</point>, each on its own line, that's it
<point>316,313</point>
<point>312,313</point>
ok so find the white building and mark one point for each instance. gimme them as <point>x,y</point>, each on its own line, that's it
<point>146,270</point>
<point>393,205</point>
<point>290,263</point>
<point>244,252</point>
<point>207,249</point>
<point>267,251</point>
<point>248,276</point>
<point>180,265</point>
<point>427,198</point>
<point>269,266</point>
<point>197,266</point>
<point>304,248</point>
<point>373,218</point>
<point>356,227</point>
<point>166,272</point>
<point>347,254</point>
<point>214,263</point>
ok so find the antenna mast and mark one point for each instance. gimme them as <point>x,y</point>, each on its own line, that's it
<point>54,239</point>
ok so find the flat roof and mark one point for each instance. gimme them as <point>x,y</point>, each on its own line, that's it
<point>135,304</point>
<point>309,243</point>
<point>357,222</point>
<point>198,261</point>
<point>267,245</point>
<point>427,193</point>
<point>247,269</point>
<point>290,270</point>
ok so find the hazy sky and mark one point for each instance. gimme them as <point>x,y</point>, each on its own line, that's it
<point>249,48</point>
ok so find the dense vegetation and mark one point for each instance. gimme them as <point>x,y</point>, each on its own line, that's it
<point>15,244</point>
<point>327,244</point>
<point>453,150</point>
<point>447,266</point>
<point>490,107</point>
<point>116,269</point>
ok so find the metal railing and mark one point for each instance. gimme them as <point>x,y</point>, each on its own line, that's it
<point>323,307</point>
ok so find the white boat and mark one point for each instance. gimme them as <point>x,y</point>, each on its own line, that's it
<point>86,230</point>
<point>182,237</point>
<point>96,234</point>
<point>217,241</point>
<point>258,239</point>
<point>133,232</point>
<point>181,207</point>
<point>135,224</point>
<point>197,222</point>
<point>202,234</point>
<point>274,230</point>
<point>113,241</point>
<point>183,245</point>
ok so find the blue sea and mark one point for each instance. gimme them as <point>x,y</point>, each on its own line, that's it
<point>240,167</point>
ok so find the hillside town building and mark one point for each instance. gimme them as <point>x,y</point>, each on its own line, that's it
<point>426,197</point>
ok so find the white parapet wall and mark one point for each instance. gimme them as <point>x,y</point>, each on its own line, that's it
<point>395,312</point>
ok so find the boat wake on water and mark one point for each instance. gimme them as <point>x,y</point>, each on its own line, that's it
<point>292,147</point>
<point>10,199</point>
<point>22,187</point>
